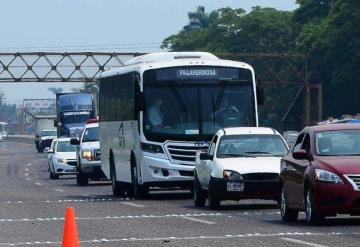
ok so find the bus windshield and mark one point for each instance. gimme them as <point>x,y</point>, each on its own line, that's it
<point>192,108</point>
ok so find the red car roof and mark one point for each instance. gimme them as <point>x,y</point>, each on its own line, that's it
<point>329,127</point>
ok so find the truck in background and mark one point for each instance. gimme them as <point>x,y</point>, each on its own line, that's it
<point>72,112</point>
<point>44,132</point>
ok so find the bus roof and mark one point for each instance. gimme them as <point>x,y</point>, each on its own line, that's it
<point>173,59</point>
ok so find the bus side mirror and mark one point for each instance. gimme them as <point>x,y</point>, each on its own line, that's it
<point>139,101</point>
<point>260,95</point>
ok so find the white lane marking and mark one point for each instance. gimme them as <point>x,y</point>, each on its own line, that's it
<point>26,174</point>
<point>249,235</point>
<point>66,201</point>
<point>40,184</point>
<point>26,169</point>
<point>59,190</point>
<point>199,220</point>
<point>28,179</point>
<point>113,217</point>
<point>133,204</point>
<point>303,242</point>
<point>29,164</point>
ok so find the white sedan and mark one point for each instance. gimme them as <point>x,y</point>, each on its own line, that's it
<point>240,163</point>
<point>61,158</point>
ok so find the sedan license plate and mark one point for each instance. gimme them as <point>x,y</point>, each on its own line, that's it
<point>235,186</point>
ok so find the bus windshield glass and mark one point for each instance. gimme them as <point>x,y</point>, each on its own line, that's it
<point>192,107</point>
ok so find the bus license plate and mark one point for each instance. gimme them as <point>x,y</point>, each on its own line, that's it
<point>235,186</point>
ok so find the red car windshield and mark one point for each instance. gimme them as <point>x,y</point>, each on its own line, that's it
<point>338,143</point>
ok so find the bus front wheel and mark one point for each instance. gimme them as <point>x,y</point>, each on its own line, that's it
<point>137,190</point>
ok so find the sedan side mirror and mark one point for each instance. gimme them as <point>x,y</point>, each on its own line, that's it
<point>205,156</point>
<point>74,141</point>
<point>300,154</point>
<point>49,151</point>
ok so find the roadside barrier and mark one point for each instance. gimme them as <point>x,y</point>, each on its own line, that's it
<point>70,238</point>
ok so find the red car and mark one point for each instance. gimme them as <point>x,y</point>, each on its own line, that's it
<point>321,174</point>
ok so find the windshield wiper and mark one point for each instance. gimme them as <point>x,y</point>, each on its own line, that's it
<point>261,152</point>
<point>177,96</point>
<point>236,155</point>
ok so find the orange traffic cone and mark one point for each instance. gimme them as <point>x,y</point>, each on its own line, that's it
<point>70,238</point>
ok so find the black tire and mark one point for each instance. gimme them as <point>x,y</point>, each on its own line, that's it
<point>213,196</point>
<point>82,179</point>
<point>312,216</point>
<point>136,190</point>
<point>118,188</point>
<point>52,175</point>
<point>287,214</point>
<point>199,194</point>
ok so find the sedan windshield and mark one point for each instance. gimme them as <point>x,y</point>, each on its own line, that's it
<point>65,146</point>
<point>338,143</point>
<point>251,145</point>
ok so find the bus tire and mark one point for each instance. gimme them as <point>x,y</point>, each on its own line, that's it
<point>137,190</point>
<point>118,188</point>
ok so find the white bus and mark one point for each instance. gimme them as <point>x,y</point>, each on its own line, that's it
<point>160,108</point>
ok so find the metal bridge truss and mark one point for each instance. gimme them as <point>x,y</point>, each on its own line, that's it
<point>58,66</point>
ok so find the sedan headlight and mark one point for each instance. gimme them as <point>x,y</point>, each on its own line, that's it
<point>325,176</point>
<point>232,175</point>
<point>87,154</point>
<point>61,160</point>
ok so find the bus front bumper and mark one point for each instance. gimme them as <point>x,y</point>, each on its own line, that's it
<point>161,170</point>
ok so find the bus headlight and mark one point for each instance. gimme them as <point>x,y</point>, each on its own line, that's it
<point>151,148</point>
<point>87,154</point>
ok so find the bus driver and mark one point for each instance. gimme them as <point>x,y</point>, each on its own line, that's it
<point>155,115</point>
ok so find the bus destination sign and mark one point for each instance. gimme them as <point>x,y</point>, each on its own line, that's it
<point>198,73</point>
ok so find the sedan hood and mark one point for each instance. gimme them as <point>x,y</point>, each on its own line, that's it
<point>90,145</point>
<point>66,155</point>
<point>245,165</point>
<point>341,164</point>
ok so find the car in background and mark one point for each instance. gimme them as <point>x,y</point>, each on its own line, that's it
<point>61,158</point>
<point>240,163</point>
<point>88,154</point>
<point>45,139</point>
<point>321,174</point>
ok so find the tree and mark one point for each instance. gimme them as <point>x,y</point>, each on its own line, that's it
<point>333,46</point>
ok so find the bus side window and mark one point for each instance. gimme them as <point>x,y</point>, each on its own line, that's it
<point>117,98</point>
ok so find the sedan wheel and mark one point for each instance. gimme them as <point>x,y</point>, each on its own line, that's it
<point>287,214</point>
<point>312,217</point>
<point>199,194</point>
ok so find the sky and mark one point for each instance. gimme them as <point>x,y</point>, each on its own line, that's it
<point>97,25</point>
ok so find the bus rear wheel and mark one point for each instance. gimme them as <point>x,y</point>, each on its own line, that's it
<point>117,187</point>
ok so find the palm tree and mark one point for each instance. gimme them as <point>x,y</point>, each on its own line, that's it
<point>200,19</point>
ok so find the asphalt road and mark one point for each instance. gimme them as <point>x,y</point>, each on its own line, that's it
<point>32,209</point>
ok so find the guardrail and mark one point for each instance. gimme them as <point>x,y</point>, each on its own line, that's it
<point>20,138</point>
